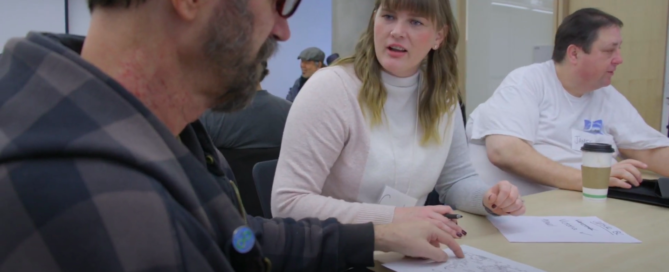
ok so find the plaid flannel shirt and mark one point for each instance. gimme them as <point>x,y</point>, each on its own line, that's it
<point>91,180</point>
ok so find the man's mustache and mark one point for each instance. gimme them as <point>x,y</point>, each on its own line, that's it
<point>267,50</point>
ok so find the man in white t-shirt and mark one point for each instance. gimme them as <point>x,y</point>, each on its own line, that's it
<point>532,128</point>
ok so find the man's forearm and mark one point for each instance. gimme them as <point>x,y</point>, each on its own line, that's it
<point>657,159</point>
<point>357,244</point>
<point>538,168</point>
<point>659,162</point>
<point>382,241</point>
<point>516,156</point>
<point>314,245</point>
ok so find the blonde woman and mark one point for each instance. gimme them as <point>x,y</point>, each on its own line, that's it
<point>371,136</point>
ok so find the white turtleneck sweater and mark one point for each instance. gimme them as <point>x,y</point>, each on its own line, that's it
<point>333,163</point>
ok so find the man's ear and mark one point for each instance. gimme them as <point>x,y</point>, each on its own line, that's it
<point>187,9</point>
<point>573,53</point>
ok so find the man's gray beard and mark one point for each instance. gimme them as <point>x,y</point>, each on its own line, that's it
<point>229,48</point>
<point>242,89</point>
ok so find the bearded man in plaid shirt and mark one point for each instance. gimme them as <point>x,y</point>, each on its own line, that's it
<point>104,166</point>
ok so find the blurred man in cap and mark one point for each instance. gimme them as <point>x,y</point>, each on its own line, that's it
<point>311,60</point>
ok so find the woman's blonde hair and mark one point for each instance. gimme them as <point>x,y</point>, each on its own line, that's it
<point>439,88</point>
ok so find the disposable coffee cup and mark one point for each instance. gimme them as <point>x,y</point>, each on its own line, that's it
<point>596,170</point>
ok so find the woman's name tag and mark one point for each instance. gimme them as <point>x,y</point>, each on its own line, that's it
<point>392,197</point>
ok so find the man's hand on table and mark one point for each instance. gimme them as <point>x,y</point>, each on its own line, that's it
<point>432,214</point>
<point>420,239</point>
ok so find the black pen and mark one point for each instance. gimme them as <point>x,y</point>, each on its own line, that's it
<point>452,216</point>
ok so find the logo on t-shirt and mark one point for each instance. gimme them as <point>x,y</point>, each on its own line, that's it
<point>594,127</point>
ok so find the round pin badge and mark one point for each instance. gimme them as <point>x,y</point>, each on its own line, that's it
<point>243,239</point>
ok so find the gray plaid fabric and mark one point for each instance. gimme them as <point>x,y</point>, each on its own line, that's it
<point>90,180</point>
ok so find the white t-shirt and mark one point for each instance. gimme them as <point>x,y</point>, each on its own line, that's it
<point>531,104</point>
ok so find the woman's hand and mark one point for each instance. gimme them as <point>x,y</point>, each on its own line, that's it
<point>504,199</point>
<point>432,214</point>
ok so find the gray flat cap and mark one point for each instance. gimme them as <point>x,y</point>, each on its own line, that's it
<point>312,54</point>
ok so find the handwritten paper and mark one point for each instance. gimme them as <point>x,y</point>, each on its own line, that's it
<point>559,229</point>
<point>475,260</point>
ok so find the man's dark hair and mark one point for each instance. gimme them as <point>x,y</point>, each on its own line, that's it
<point>581,29</point>
<point>92,4</point>
<point>265,71</point>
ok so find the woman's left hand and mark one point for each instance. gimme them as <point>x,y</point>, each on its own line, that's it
<point>504,199</point>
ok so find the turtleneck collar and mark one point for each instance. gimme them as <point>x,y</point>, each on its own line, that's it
<point>400,82</point>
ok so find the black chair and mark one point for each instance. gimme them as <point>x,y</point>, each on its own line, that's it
<point>463,110</point>
<point>433,199</point>
<point>263,176</point>
<point>242,162</point>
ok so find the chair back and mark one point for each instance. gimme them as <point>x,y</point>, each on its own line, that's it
<point>242,162</point>
<point>263,176</point>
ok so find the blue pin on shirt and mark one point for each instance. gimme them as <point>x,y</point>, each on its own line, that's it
<point>243,239</point>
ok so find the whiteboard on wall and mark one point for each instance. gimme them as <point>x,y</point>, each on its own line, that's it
<point>503,36</point>
<point>20,17</point>
<point>542,53</point>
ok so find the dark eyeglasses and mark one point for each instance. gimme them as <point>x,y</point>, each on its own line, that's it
<point>286,8</point>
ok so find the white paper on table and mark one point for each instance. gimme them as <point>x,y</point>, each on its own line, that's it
<point>559,229</point>
<point>475,260</point>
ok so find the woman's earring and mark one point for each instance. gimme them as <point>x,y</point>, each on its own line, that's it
<point>435,47</point>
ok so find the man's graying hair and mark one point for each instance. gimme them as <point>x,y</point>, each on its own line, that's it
<point>92,4</point>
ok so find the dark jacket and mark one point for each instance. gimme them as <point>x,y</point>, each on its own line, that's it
<point>91,180</point>
<point>297,86</point>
